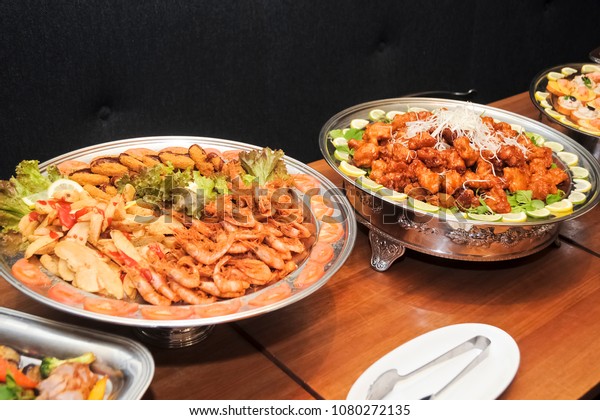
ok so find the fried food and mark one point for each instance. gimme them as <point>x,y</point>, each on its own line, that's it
<point>109,166</point>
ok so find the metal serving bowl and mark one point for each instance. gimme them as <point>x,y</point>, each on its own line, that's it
<point>395,226</point>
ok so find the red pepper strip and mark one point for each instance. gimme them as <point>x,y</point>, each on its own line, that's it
<point>20,378</point>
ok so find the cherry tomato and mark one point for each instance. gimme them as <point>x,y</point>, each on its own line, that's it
<point>29,273</point>
<point>64,293</point>
<point>112,307</point>
<point>166,312</point>
<point>331,232</point>
<point>217,309</point>
<point>310,274</point>
<point>321,252</point>
<point>306,182</point>
<point>319,207</point>
<point>273,295</point>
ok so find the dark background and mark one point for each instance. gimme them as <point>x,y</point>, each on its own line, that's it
<point>269,72</point>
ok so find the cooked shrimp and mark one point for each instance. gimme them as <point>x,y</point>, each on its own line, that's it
<point>266,254</point>
<point>145,289</point>
<point>193,297</point>
<point>224,281</point>
<point>211,288</point>
<point>201,248</point>
<point>256,270</point>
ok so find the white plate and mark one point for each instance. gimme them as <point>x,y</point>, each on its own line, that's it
<point>487,380</point>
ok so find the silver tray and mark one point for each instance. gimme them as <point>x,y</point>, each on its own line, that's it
<point>396,225</point>
<point>227,310</point>
<point>129,365</point>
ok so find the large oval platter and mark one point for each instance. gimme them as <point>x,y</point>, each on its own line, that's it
<point>562,145</point>
<point>545,96</point>
<point>340,219</point>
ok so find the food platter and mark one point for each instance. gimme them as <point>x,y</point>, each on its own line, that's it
<point>178,331</point>
<point>547,99</point>
<point>128,365</point>
<point>395,224</point>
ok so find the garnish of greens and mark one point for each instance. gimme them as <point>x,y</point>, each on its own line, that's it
<point>11,391</point>
<point>264,165</point>
<point>28,180</point>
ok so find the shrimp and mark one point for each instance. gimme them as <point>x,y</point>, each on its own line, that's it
<point>201,248</point>
<point>285,245</point>
<point>295,230</point>
<point>184,271</point>
<point>224,280</point>
<point>257,271</point>
<point>148,293</point>
<point>266,254</point>
<point>211,288</point>
<point>193,297</point>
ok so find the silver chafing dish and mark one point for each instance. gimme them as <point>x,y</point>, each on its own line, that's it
<point>394,226</point>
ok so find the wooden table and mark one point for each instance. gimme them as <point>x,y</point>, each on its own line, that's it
<point>316,348</point>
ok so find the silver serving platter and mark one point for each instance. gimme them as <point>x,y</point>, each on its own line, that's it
<point>129,365</point>
<point>396,225</point>
<point>178,332</point>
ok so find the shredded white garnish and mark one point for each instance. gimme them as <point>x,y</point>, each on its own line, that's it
<point>463,121</point>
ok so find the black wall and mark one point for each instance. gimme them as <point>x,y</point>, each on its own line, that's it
<point>269,72</point>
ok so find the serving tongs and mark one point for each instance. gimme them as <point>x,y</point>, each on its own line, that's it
<point>384,384</point>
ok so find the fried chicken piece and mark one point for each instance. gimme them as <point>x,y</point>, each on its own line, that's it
<point>376,132</point>
<point>421,140</point>
<point>511,156</point>
<point>540,158</point>
<point>463,146</point>
<point>400,120</point>
<point>365,154</point>
<point>396,181</point>
<point>466,199</point>
<point>516,178</point>
<point>402,153</point>
<point>378,169</point>
<point>496,200</point>
<point>431,157</point>
<point>452,181</point>
<point>427,178</point>
<point>453,160</point>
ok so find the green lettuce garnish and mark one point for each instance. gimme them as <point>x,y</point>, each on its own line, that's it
<point>265,165</point>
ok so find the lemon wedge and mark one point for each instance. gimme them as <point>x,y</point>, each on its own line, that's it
<point>30,200</point>
<point>562,206</point>
<point>541,96</point>
<point>63,184</point>
<point>351,170</point>
<point>554,114</point>
<point>393,195</point>
<point>567,71</point>
<point>339,142</point>
<point>514,217</point>
<point>578,172</point>
<point>368,183</point>
<point>485,217</point>
<point>556,147</point>
<point>341,155</point>
<point>567,121</point>
<point>570,159</point>
<point>422,205</point>
<point>577,197</point>
<point>359,123</point>
<point>392,114</point>
<point>554,75</point>
<point>545,104</point>
<point>376,114</point>
<point>582,185</point>
<point>539,213</point>
<point>589,68</point>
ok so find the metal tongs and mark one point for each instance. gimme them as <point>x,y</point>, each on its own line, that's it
<point>384,384</point>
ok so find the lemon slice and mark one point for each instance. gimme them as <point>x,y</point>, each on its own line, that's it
<point>63,184</point>
<point>514,217</point>
<point>582,185</point>
<point>392,114</point>
<point>541,96</point>
<point>358,123</point>
<point>376,114</point>
<point>552,113</point>
<point>546,104</point>
<point>30,200</point>
<point>588,68</point>
<point>485,217</point>
<point>562,206</point>
<point>570,159</point>
<point>422,205</point>
<point>554,75</point>
<point>339,142</point>
<point>567,71</point>
<point>577,197</point>
<point>567,121</point>
<point>417,109</point>
<point>351,170</point>
<point>539,213</point>
<point>341,155</point>
<point>556,147</point>
<point>587,130</point>
<point>368,183</point>
<point>393,195</point>
<point>578,172</point>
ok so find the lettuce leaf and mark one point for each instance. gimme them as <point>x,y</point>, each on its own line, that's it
<point>265,165</point>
